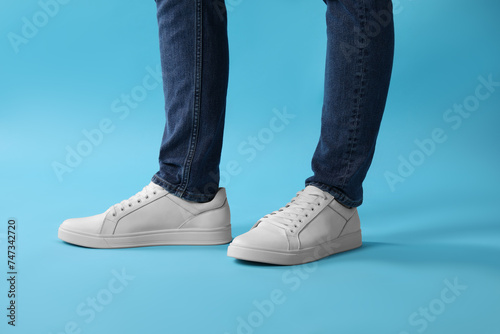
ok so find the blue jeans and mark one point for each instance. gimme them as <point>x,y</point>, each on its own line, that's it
<point>195,64</point>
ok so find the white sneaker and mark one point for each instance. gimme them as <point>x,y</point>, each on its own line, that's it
<point>312,226</point>
<point>153,217</point>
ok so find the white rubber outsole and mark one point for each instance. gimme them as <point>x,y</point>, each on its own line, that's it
<point>341,244</point>
<point>217,236</point>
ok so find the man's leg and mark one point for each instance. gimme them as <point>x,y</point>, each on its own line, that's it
<point>358,69</point>
<point>195,60</point>
<point>194,57</point>
<point>322,219</point>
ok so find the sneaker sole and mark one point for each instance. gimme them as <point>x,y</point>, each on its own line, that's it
<point>218,236</point>
<point>341,244</point>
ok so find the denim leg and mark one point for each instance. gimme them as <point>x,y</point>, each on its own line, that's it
<point>195,63</point>
<point>360,50</point>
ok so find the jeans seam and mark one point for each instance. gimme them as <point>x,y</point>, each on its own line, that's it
<point>352,140</point>
<point>197,100</point>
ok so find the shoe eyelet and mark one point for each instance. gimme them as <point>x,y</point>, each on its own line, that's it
<point>130,205</point>
<point>138,201</point>
<point>300,220</point>
<point>114,214</point>
<point>312,209</point>
<point>154,192</point>
<point>147,196</point>
<point>291,231</point>
<point>319,204</point>
<point>307,215</point>
<point>123,209</point>
<point>295,226</point>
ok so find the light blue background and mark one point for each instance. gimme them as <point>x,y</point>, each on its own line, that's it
<point>440,224</point>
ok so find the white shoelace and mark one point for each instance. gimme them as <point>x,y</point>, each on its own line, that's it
<point>145,193</point>
<point>299,208</point>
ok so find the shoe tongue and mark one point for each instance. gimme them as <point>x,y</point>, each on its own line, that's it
<point>312,190</point>
<point>155,186</point>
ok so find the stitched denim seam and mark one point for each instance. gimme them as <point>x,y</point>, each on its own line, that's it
<point>354,122</point>
<point>197,103</point>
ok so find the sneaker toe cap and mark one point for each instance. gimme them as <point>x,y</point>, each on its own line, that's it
<point>91,225</point>
<point>263,238</point>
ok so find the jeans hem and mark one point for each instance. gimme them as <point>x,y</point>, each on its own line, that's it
<point>181,193</point>
<point>339,196</point>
